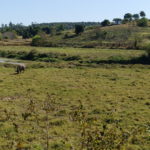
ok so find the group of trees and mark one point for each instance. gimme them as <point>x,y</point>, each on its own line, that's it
<point>128,17</point>
<point>31,30</point>
<point>54,28</point>
<point>47,28</point>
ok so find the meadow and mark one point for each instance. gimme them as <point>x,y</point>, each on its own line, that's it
<point>60,106</point>
<point>67,54</point>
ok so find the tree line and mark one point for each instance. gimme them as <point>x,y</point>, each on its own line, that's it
<point>55,28</point>
<point>140,19</point>
<point>47,28</point>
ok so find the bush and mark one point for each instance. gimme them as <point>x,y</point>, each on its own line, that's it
<point>72,58</point>
<point>31,55</point>
<point>142,22</point>
<point>36,40</point>
<point>79,29</point>
<point>105,23</point>
<point>101,34</point>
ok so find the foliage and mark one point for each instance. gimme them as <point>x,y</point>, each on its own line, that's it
<point>105,23</point>
<point>128,17</point>
<point>66,54</point>
<point>42,109</point>
<point>79,29</point>
<point>117,20</point>
<point>109,136</point>
<point>142,14</point>
<point>143,22</point>
<point>33,29</point>
<point>136,16</point>
<point>36,39</point>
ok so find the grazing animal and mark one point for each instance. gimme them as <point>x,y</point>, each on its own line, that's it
<point>20,68</point>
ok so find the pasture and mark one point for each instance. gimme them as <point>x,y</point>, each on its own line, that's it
<point>58,107</point>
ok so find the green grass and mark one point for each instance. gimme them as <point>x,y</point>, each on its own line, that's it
<point>88,54</point>
<point>44,98</point>
<point>126,36</point>
<point>117,36</point>
<point>122,92</point>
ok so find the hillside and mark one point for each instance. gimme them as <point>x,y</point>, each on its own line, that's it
<point>117,36</point>
<point>127,36</point>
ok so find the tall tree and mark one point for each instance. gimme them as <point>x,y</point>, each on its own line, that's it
<point>117,20</point>
<point>142,14</point>
<point>79,29</point>
<point>136,16</point>
<point>143,22</point>
<point>128,17</point>
<point>105,23</point>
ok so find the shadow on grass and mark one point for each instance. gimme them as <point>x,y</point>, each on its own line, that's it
<point>145,60</point>
<point>15,73</point>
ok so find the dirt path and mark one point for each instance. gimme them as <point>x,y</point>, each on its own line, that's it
<point>10,61</point>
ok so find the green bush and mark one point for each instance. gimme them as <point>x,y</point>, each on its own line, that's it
<point>79,29</point>
<point>31,55</point>
<point>36,40</point>
<point>72,58</point>
<point>143,22</point>
<point>105,23</point>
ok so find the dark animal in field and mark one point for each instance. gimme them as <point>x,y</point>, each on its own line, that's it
<point>20,68</point>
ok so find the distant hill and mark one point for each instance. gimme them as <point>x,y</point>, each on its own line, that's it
<point>116,36</point>
<point>69,25</point>
<point>62,34</point>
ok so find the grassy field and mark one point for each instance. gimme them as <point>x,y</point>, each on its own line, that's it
<point>15,42</point>
<point>85,54</point>
<point>127,36</point>
<point>61,108</point>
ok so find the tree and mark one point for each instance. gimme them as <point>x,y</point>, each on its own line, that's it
<point>143,22</point>
<point>36,40</point>
<point>10,24</point>
<point>59,28</point>
<point>136,16</point>
<point>47,30</point>
<point>142,14</point>
<point>128,17</point>
<point>105,23</point>
<point>117,20</point>
<point>79,29</point>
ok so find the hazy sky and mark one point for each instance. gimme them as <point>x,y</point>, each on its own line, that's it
<point>27,11</point>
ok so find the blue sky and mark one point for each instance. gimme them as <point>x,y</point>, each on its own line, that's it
<point>27,11</point>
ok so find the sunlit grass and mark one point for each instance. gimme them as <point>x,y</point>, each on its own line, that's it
<point>123,91</point>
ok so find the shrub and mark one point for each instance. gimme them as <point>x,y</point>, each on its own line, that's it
<point>105,23</point>
<point>66,36</point>
<point>142,22</point>
<point>79,29</point>
<point>47,59</point>
<point>31,55</point>
<point>101,34</point>
<point>36,40</point>
<point>72,58</point>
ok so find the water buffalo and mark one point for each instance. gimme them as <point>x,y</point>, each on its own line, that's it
<point>20,68</point>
